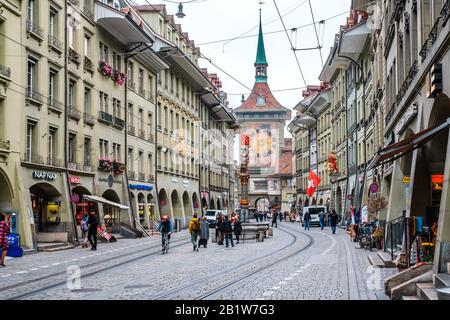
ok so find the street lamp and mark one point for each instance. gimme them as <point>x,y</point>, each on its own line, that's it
<point>180,13</point>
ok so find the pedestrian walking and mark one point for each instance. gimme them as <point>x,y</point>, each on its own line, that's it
<point>333,220</point>
<point>84,224</point>
<point>274,220</point>
<point>237,228</point>
<point>322,219</point>
<point>228,231</point>
<point>219,230</point>
<point>4,244</point>
<point>257,216</point>
<point>307,219</point>
<point>92,230</point>
<point>204,232</point>
<point>194,230</point>
<point>281,216</point>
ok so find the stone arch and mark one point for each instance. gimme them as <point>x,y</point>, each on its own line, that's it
<point>188,212</point>
<point>204,203</point>
<point>113,215</point>
<point>151,207</point>
<point>219,205</point>
<point>6,193</point>
<point>164,204</point>
<point>177,208</point>
<point>338,201</point>
<point>195,203</point>
<point>262,204</point>
<point>142,207</point>
<point>212,205</point>
<point>42,194</point>
<point>82,207</point>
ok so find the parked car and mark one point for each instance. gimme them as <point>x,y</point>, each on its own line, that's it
<point>211,216</point>
<point>314,212</point>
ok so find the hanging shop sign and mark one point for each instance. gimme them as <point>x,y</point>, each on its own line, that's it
<point>437,181</point>
<point>39,175</point>
<point>374,187</point>
<point>74,180</point>
<point>140,187</point>
<point>406,118</point>
<point>74,198</point>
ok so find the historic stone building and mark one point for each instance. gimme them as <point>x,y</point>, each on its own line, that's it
<point>263,118</point>
<point>99,111</point>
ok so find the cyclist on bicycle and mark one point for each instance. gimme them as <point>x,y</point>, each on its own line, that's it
<point>165,227</point>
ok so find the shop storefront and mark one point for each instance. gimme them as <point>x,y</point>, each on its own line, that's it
<point>50,207</point>
<point>143,203</point>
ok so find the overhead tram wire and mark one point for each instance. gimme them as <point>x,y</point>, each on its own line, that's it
<point>292,47</point>
<point>279,31</point>
<point>315,30</point>
<point>271,20</point>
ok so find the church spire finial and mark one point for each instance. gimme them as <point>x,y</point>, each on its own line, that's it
<point>261,61</point>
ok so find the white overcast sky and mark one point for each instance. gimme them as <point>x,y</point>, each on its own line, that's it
<point>212,20</point>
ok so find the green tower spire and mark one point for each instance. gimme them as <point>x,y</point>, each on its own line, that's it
<point>261,61</point>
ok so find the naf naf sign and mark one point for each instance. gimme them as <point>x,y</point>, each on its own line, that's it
<point>39,175</point>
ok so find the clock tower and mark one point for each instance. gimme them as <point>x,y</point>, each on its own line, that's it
<point>263,119</point>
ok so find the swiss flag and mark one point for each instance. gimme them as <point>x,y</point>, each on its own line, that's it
<point>313,182</point>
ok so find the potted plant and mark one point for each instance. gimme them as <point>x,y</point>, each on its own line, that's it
<point>378,236</point>
<point>119,77</point>
<point>105,69</point>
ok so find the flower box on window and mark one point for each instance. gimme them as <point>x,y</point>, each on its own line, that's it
<point>105,164</point>
<point>118,167</point>
<point>119,77</point>
<point>105,69</point>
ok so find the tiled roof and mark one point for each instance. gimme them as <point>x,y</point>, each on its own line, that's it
<point>261,88</point>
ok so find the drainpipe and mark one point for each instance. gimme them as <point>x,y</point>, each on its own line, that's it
<point>347,146</point>
<point>156,146</point>
<point>66,130</point>
<point>200,150</point>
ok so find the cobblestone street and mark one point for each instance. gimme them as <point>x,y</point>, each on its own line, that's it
<point>292,265</point>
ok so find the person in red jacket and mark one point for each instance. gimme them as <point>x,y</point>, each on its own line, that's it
<point>4,232</point>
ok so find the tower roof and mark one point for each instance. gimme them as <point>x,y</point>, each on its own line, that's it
<point>261,52</point>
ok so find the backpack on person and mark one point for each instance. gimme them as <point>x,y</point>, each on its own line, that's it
<point>165,226</point>
<point>196,226</point>
<point>84,225</point>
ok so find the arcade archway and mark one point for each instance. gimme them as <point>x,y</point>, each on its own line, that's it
<point>46,204</point>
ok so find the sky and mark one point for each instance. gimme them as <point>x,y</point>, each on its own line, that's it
<point>212,20</point>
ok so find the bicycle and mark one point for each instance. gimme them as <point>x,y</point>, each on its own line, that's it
<point>165,245</point>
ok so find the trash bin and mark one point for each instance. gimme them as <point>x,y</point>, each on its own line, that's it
<point>14,249</point>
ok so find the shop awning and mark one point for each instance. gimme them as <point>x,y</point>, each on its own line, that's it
<point>105,201</point>
<point>399,149</point>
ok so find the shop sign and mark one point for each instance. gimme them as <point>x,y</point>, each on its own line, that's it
<point>44,175</point>
<point>374,187</point>
<point>406,118</point>
<point>140,187</point>
<point>74,180</point>
<point>406,179</point>
<point>437,181</point>
<point>74,198</point>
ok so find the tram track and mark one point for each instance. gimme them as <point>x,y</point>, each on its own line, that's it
<point>202,280</point>
<point>4,290</point>
<point>261,268</point>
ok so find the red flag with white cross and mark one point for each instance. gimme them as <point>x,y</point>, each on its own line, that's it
<point>313,183</point>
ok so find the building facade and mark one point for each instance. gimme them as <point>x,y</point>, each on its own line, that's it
<point>390,116</point>
<point>95,116</point>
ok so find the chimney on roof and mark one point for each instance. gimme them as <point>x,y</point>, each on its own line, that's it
<point>242,99</point>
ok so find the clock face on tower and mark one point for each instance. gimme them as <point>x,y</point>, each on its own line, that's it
<point>260,101</point>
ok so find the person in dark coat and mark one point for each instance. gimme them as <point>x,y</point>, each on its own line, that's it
<point>333,218</point>
<point>220,230</point>
<point>274,219</point>
<point>92,230</point>
<point>228,231</point>
<point>237,228</point>
<point>306,219</point>
<point>204,232</point>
